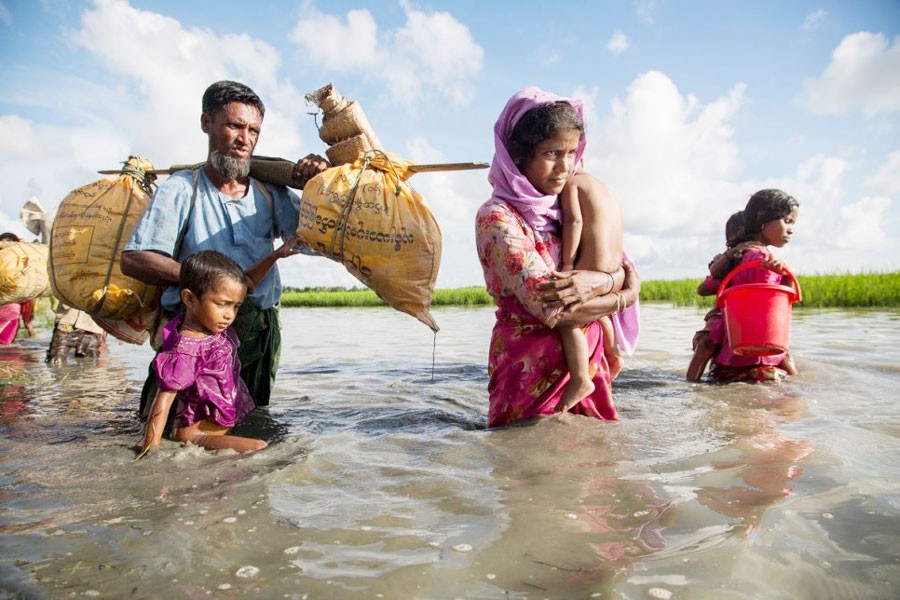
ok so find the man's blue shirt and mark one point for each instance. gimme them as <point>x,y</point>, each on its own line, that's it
<point>245,229</point>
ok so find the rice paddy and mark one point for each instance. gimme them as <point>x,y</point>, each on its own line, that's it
<point>880,290</point>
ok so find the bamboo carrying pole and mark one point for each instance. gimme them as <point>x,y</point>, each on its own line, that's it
<point>281,171</point>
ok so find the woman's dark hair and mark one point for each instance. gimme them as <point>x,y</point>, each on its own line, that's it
<point>221,93</point>
<point>765,206</point>
<point>539,124</point>
<point>200,272</point>
<point>8,236</point>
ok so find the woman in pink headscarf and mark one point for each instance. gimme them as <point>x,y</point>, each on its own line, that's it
<point>539,141</point>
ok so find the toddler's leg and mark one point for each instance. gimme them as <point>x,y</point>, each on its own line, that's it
<point>704,350</point>
<point>211,437</point>
<point>575,349</point>
<point>613,358</point>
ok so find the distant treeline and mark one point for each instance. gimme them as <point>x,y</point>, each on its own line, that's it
<point>819,291</point>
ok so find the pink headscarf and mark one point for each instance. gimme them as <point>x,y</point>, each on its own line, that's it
<point>540,212</point>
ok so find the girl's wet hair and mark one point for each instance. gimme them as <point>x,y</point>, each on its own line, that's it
<point>539,124</point>
<point>201,272</point>
<point>765,206</point>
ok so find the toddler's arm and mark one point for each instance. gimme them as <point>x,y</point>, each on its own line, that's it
<point>719,266</point>
<point>572,224</point>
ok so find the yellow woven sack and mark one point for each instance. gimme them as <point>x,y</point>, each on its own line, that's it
<point>23,272</point>
<point>367,217</point>
<point>92,225</point>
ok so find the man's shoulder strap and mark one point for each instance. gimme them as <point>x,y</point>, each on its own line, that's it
<point>195,175</point>
<point>261,186</point>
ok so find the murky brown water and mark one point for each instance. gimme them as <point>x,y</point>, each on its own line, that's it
<point>382,481</point>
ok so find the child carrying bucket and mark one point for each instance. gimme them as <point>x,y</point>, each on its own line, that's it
<point>768,220</point>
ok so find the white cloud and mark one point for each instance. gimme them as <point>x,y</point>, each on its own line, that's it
<point>618,43</point>
<point>339,46</point>
<point>431,54</point>
<point>453,197</point>
<point>864,74</point>
<point>836,229</point>
<point>887,178</point>
<point>825,173</point>
<point>163,69</point>
<point>667,157</point>
<point>5,15</point>
<point>861,224</point>
<point>814,19</point>
<point>151,107</point>
<point>644,10</point>
<point>20,138</point>
<point>144,99</point>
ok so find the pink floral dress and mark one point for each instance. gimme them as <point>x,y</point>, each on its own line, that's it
<point>526,364</point>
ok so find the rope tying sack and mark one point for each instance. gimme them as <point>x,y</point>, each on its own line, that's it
<point>91,226</point>
<point>367,217</point>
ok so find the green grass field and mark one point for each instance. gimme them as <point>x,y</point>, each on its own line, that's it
<point>819,291</point>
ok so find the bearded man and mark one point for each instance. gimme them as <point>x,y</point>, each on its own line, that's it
<point>218,206</point>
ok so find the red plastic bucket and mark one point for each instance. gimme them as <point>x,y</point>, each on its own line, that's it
<point>757,315</point>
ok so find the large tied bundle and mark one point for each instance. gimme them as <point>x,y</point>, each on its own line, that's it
<point>23,272</point>
<point>367,217</point>
<point>345,127</point>
<point>92,225</point>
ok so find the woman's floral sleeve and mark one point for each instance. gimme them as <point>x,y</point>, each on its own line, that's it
<point>512,259</point>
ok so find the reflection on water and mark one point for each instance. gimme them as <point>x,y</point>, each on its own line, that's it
<point>383,480</point>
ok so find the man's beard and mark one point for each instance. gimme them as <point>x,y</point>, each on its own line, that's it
<point>229,167</point>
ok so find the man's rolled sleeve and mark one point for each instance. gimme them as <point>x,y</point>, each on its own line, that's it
<point>159,226</point>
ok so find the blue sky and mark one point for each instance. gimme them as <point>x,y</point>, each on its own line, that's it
<point>691,106</point>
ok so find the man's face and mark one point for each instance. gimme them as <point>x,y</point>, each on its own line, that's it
<point>233,131</point>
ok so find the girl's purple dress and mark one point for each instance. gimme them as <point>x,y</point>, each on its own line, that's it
<point>206,373</point>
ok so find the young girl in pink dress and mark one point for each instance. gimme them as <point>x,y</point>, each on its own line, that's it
<point>198,365</point>
<point>538,141</point>
<point>768,220</point>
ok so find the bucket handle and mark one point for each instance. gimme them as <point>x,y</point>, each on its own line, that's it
<point>751,265</point>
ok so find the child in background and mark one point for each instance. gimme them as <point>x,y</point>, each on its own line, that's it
<point>708,341</point>
<point>11,315</point>
<point>198,365</point>
<point>586,203</point>
<point>768,220</point>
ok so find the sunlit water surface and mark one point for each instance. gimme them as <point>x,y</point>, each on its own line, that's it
<point>382,482</point>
